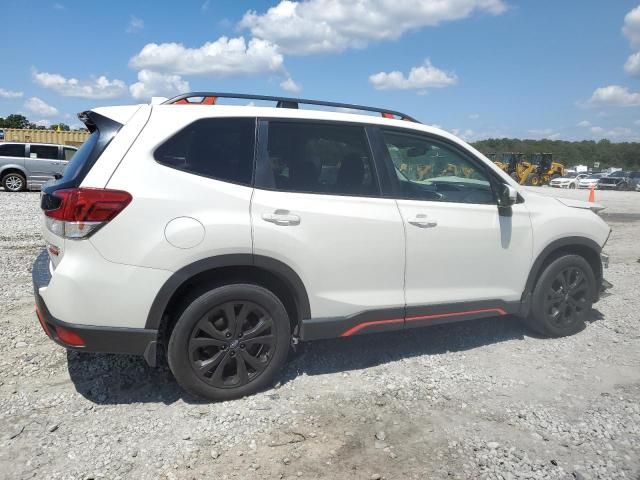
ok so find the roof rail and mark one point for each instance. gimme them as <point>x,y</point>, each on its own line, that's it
<point>210,98</point>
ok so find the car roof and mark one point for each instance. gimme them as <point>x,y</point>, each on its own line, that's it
<point>40,143</point>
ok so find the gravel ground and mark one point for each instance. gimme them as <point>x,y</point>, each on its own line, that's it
<point>482,399</point>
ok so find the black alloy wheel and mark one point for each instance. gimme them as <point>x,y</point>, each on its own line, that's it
<point>566,299</point>
<point>232,344</point>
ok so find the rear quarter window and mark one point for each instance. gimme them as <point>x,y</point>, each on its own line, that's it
<point>219,148</point>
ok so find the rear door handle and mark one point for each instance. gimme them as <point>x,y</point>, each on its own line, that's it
<point>422,221</point>
<point>281,217</point>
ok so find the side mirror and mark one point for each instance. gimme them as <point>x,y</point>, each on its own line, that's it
<point>507,196</point>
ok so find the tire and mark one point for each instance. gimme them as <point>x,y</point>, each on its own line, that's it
<point>533,179</point>
<point>562,298</point>
<point>572,186</point>
<point>14,182</point>
<point>236,357</point>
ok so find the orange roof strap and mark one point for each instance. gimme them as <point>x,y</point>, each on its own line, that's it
<point>204,101</point>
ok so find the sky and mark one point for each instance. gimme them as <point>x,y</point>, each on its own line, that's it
<point>552,69</point>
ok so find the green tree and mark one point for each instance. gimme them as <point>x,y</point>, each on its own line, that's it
<point>16,121</point>
<point>62,126</point>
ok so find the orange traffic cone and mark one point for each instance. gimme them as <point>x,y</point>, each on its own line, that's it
<point>592,194</point>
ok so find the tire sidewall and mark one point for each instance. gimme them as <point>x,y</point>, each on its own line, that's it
<point>4,184</point>
<point>538,318</point>
<point>177,350</point>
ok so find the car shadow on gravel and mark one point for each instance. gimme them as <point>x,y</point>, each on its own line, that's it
<point>123,379</point>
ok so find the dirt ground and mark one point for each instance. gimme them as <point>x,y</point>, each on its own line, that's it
<point>481,399</point>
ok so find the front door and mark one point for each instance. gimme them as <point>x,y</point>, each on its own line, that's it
<point>464,258</point>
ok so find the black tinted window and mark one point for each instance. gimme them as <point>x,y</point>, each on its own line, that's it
<point>68,153</point>
<point>220,148</point>
<point>43,151</point>
<point>320,158</point>
<point>12,150</point>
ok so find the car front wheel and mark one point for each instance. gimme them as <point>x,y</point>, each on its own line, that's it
<point>230,342</point>
<point>563,296</point>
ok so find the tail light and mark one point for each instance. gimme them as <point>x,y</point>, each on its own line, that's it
<point>78,213</point>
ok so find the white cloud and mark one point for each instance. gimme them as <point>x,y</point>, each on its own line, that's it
<point>632,65</point>
<point>205,6</point>
<point>631,27</point>
<point>615,96</point>
<point>135,24</point>
<point>318,26</point>
<point>637,122</point>
<point>617,133</point>
<point>224,57</point>
<point>37,106</point>
<point>584,123</point>
<point>152,84</point>
<point>474,116</point>
<point>422,77</point>
<point>58,6</point>
<point>9,94</point>
<point>544,133</point>
<point>100,87</point>
<point>43,123</point>
<point>289,85</point>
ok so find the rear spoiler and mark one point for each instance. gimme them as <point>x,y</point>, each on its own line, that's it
<point>94,121</point>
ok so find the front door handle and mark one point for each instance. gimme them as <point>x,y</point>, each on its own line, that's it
<point>281,217</point>
<point>422,221</point>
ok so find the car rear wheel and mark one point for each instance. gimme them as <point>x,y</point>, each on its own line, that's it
<point>230,342</point>
<point>14,182</point>
<point>563,296</point>
<point>572,185</point>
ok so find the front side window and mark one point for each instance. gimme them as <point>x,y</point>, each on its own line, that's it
<point>323,158</point>
<point>219,148</point>
<point>44,151</point>
<point>430,170</point>
<point>12,150</point>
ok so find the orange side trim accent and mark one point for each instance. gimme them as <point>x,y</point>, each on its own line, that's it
<point>499,311</point>
<point>388,115</point>
<point>363,325</point>
<point>360,326</point>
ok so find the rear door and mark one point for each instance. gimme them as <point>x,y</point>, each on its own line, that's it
<point>317,208</point>
<point>43,162</point>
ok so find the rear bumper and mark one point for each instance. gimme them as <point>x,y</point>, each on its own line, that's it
<point>134,341</point>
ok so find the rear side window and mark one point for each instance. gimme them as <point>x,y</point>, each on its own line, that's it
<point>12,150</point>
<point>68,153</point>
<point>44,151</point>
<point>324,158</point>
<point>219,148</point>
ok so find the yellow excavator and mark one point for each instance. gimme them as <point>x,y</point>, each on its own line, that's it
<point>540,170</point>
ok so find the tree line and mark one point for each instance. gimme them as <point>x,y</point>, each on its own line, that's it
<point>20,121</point>
<point>624,155</point>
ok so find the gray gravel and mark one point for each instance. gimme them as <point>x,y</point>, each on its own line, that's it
<point>482,399</point>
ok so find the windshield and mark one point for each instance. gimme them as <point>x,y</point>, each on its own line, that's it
<point>571,175</point>
<point>595,175</point>
<point>618,174</point>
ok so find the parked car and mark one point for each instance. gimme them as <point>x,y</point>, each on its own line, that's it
<point>590,180</point>
<point>1,134</point>
<point>570,180</point>
<point>29,165</point>
<point>222,235</point>
<point>618,180</point>
<point>634,178</point>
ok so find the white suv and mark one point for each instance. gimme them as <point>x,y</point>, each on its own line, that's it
<point>221,235</point>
